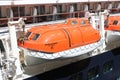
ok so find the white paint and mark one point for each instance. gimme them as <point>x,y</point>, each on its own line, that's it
<point>11,14</point>
<point>93,22</point>
<point>67,53</point>
<point>14,47</point>
<point>110,6</point>
<point>85,7</point>
<point>54,9</point>
<point>71,8</point>
<point>23,2</point>
<point>35,11</point>
<point>118,5</point>
<point>98,7</point>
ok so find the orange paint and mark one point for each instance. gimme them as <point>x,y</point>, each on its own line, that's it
<point>75,32</point>
<point>113,23</point>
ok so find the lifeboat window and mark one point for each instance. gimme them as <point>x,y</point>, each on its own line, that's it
<point>36,36</point>
<point>93,73</point>
<point>73,22</point>
<point>28,34</point>
<point>82,22</point>
<point>115,22</point>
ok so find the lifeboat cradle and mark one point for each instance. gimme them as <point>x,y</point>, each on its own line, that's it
<point>91,49</point>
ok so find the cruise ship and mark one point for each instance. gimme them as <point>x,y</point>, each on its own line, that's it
<point>19,64</point>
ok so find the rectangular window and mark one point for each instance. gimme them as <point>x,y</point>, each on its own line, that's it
<point>93,73</point>
<point>67,8</point>
<point>31,11</point>
<point>22,11</point>
<point>50,9</point>
<point>15,11</point>
<point>106,5</point>
<point>115,5</point>
<point>59,8</point>
<point>81,7</point>
<point>8,12</point>
<point>28,34</point>
<point>75,7</point>
<point>36,36</point>
<point>42,9</point>
<point>95,5</point>
<point>91,6</point>
<point>107,67</point>
<point>102,6</point>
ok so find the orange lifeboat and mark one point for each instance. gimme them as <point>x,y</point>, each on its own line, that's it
<point>74,32</point>
<point>113,23</point>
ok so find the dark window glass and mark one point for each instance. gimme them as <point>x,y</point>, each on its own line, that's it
<point>67,8</point>
<point>8,12</point>
<point>75,7</point>
<point>59,8</point>
<point>28,34</point>
<point>36,36</point>
<point>73,22</point>
<point>50,9</point>
<point>31,11</point>
<point>22,11</point>
<point>115,22</point>
<point>42,9</point>
<point>15,11</point>
<point>81,7</point>
<point>107,67</point>
<point>93,73</point>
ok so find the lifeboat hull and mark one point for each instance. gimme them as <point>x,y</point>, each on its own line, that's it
<point>67,53</point>
<point>55,38</point>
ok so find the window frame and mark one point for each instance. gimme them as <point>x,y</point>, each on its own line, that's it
<point>74,22</point>
<point>93,73</point>
<point>28,34</point>
<point>36,36</point>
<point>107,67</point>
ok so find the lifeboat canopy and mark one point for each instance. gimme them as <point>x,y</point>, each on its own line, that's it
<point>53,38</point>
